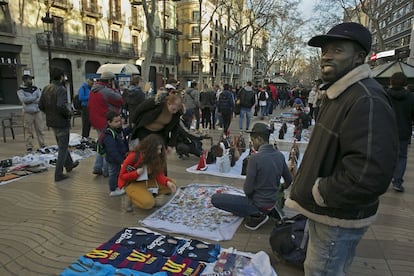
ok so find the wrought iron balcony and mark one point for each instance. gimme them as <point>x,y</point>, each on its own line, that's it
<point>89,45</point>
<point>116,18</point>
<point>61,4</point>
<point>135,23</point>
<point>92,10</point>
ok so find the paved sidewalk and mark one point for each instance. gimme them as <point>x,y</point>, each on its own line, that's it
<point>44,226</point>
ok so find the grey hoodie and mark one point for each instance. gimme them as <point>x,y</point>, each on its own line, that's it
<point>29,97</point>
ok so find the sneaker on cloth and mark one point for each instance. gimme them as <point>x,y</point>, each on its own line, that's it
<point>253,223</point>
<point>398,188</point>
<point>117,192</point>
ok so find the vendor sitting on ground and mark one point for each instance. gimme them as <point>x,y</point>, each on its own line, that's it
<point>142,175</point>
<point>262,186</point>
<point>188,143</point>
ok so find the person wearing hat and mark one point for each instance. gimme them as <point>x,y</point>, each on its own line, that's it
<point>262,185</point>
<point>351,155</point>
<point>29,95</point>
<point>54,103</point>
<point>102,98</point>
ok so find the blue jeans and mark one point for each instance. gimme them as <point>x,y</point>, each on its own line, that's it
<point>64,159</point>
<point>113,170</point>
<point>100,162</point>
<point>331,250</point>
<point>397,178</point>
<point>263,110</point>
<point>245,111</point>
<point>238,205</point>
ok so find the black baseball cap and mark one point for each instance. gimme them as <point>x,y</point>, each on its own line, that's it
<point>350,31</point>
<point>27,76</point>
<point>260,128</point>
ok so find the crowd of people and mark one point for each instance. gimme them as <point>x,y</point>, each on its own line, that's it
<point>357,148</point>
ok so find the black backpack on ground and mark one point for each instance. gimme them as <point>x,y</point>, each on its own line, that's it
<point>289,239</point>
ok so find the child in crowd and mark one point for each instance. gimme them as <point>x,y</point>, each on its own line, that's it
<point>116,148</point>
<point>142,174</point>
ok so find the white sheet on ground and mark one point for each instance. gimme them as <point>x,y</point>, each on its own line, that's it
<point>190,212</point>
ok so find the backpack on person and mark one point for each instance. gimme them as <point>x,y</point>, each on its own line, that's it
<point>262,96</point>
<point>289,239</point>
<point>225,104</point>
<point>246,98</point>
<point>100,145</point>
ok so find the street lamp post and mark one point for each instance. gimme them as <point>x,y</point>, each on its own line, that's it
<point>47,28</point>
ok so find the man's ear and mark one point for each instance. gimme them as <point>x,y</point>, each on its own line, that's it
<point>360,57</point>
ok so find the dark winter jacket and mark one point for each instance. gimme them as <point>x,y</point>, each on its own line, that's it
<point>116,146</point>
<point>264,171</point>
<point>133,96</point>
<point>351,155</point>
<point>54,103</point>
<point>102,99</point>
<point>148,112</point>
<point>403,105</point>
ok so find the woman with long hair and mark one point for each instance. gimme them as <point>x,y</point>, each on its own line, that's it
<point>142,174</point>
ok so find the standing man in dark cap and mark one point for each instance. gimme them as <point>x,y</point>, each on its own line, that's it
<point>351,156</point>
<point>29,96</point>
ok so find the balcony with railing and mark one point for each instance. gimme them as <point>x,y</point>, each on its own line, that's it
<point>92,10</point>
<point>116,17</point>
<point>89,45</point>
<point>60,4</point>
<point>135,23</point>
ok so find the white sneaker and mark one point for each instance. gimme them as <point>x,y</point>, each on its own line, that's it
<point>127,204</point>
<point>117,192</point>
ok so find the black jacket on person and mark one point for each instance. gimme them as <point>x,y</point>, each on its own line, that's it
<point>147,112</point>
<point>54,103</point>
<point>403,105</point>
<point>351,155</point>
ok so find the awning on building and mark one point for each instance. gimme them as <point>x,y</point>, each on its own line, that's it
<point>119,68</point>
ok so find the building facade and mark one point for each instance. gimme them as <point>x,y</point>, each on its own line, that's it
<point>88,33</point>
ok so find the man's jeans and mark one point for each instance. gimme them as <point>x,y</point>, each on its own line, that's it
<point>245,111</point>
<point>100,162</point>
<point>113,170</point>
<point>238,205</point>
<point>331,250</point>
<point>64,159</point>
<point>397,178</point>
